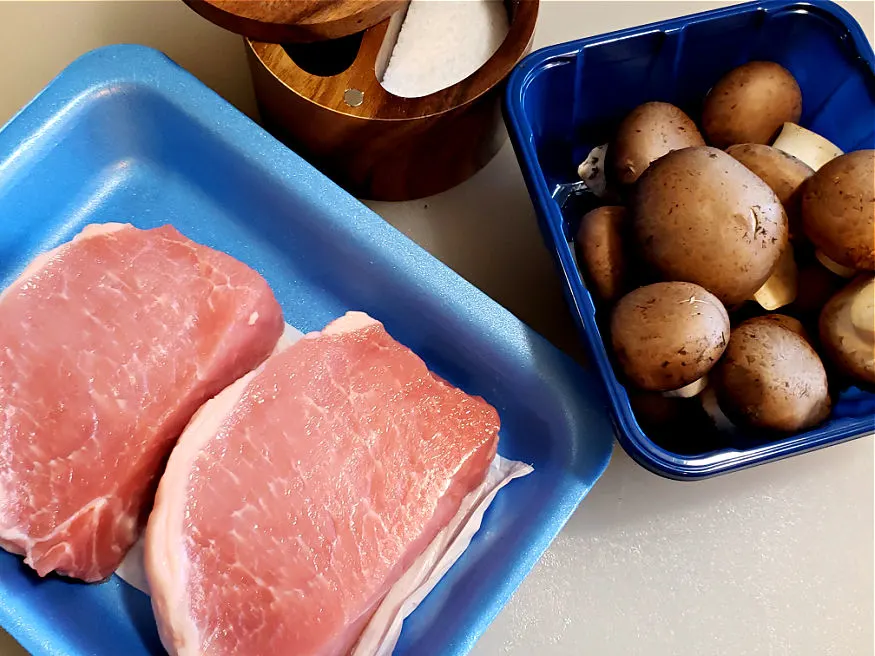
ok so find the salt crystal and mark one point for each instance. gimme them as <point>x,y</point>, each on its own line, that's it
<point>442,42</point>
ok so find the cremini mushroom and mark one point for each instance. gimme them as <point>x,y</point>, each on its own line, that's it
<point>750,104</point>
<point>601,252</point>
<point>700,216</point>
<point>647,133</point>
<point>708,398</point>
<point>782,172</point>
<point>847,329</point>
<point>838,212</point>
<point>668,335</point>
<point>771,378</point>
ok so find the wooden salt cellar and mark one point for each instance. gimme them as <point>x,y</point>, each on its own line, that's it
<point>324,99</point>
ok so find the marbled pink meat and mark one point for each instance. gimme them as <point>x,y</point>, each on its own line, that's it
<point>298,496</point>
<point>108,345</point>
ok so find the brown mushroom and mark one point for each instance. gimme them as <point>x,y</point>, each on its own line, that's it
<point>668,335</point>
<point>650,131</point>
<point>750,104</point>
<point>771,378</point>
<point>790,323</point>
<point>847,329</point>
<point>838,211</point>
<point>700,216</point>
<point>782,172</point>
<point>600,251</point>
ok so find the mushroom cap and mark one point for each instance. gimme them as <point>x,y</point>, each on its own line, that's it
<point>782,172</point>
<point>838,209</point>
<point>790,323</point>
<point>701,216</point>
<point>750,104</point>
<point>601,252</point>
<point>847,333</point>
<point>770,377</point>
<point>647,133</point>
<point>668,334</point>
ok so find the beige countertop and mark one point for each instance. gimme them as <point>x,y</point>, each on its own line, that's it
<point>775,560</point>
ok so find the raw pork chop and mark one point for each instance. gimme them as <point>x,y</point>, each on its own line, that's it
<point>299,495</point>
<point>108,345</point>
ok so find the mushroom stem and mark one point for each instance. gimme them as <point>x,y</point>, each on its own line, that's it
<point>688,391</point>
<point>780,289</point>
<point>592,171</point>
<point>832,265</point>
<point>806,145</point>
<point>713,410</point>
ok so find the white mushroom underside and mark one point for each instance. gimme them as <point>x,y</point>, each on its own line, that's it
<point>592,170</point>
<point>856,325</point>
<point>806,145</point>
<point>688,391</point>
<point>863,311</point>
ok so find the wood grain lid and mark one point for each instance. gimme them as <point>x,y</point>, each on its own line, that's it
<point>284,21</point>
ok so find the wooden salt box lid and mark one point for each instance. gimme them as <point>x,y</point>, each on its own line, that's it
<point>284,21</point>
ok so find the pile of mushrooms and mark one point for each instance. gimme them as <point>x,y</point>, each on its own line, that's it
<point>708,229</point>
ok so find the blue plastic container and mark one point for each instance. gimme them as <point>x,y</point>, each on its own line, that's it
<point>125,135</point>
<point>564,100</point>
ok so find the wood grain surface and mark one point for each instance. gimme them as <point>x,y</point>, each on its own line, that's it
<point>281,21</point>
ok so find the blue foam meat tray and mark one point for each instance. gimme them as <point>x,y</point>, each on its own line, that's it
<point>124,134</point>
<point>563,100</point>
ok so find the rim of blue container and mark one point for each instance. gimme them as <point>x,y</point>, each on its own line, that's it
<point>629,433</point>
